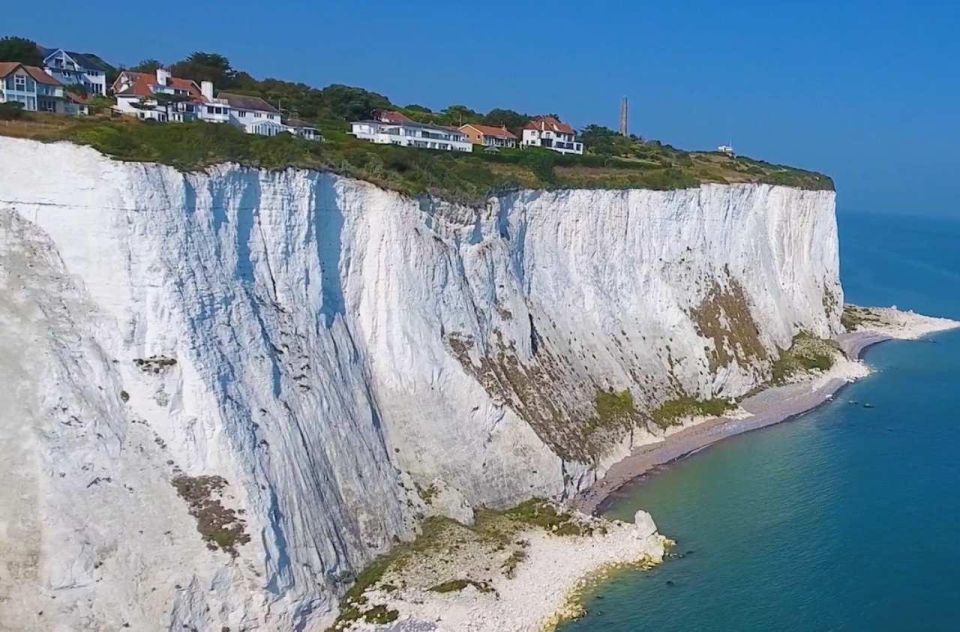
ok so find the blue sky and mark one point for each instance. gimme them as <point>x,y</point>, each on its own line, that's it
<point>865,91</point>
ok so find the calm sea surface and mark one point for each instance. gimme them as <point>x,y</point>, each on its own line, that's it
<point>847,518</point>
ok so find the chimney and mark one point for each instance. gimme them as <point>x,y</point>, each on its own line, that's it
<point>163,76</point>
<point>206,88</point>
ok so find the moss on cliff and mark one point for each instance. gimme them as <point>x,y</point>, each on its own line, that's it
<point>724,317</point>
<point>855,317</point>
<point>674,410</point>
<point>492,546</point>
<point>807,353</point>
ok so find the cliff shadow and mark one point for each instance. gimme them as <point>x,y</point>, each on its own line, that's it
<point>328,232</point>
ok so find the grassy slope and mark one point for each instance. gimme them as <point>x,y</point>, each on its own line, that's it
<point>461,177</point>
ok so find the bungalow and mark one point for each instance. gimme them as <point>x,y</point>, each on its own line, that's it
<point>488,135</point>
<point>302,129</point>
<point>547,131</point>
<point>32,87</point>
<point>157,96</point>
<point>394,128</point>
<point>70,68</point>
<point>77,105</point>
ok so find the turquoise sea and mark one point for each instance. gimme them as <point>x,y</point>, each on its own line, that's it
<point>847,518</point>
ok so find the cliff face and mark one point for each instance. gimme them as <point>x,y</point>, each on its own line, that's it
<point>227,391</point>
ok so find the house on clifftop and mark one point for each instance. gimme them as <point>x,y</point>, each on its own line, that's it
<point>551,133</point>
<point>388,127</point>
<point>489,136</point>
<point>79,69</point>
<point>31,87</point>
<point>159,96</point>
<point>163,98</point>
<point>252,114</point>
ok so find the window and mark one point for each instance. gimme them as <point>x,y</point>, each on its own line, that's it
<point>19,82</point>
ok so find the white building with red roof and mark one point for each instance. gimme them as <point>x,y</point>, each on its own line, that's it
<point>394,128</point>
<point>157,96</point>
<point>551,133</point>
<point>164,98</point>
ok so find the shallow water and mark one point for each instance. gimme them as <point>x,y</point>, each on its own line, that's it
<point>847,518</point>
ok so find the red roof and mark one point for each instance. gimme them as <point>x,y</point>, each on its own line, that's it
<point>9,67</point>
<point>79,99</point>
<point>391,116</point>
<point>142,83</point>
<point>549,123</point>
<point>491,131</point>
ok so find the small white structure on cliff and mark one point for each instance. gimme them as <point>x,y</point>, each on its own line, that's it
<point>394,128</point>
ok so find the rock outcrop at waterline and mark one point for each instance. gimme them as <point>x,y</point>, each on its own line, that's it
<point>227,391</point>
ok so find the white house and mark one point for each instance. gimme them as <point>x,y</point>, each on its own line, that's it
<point>70,68</point>
<point>252,114</point>
<point>393,128</point>
<point>302,129</point>
<point>164,98</point>
<point>547,131</point>
<point>157,96</point>
<point>30,86</point>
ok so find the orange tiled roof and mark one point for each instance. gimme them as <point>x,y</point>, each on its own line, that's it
<point>8,67</point>
<point>549,123</point>
<point>143,82</point>
<point>491,131</point>
<point>391,116</point>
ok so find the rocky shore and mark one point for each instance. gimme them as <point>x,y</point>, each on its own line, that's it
<point>503,575</point>
<point>772,405</point>
<point>491,577</point>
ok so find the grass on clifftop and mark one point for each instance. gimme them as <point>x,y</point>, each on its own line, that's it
<point>456,176</point>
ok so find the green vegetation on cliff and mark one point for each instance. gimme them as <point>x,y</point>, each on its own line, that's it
<point>612,161</point>
<point>431,560</point>
<point>456,176</point>
<point>673,411</point>
<point>807,353</point>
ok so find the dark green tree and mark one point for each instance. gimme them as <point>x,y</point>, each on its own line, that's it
<point>147,65</point>
<point>459,115</point>
<point>202,66</point>
<point>346,102</point>
<point>513,121</point>
<point>10,111</point>
<point>20,49</point>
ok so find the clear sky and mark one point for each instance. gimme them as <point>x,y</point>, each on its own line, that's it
<point>865,91</point>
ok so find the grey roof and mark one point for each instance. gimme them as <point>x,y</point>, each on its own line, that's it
<point>299,123</point>
<point>87,60</point>
<point>244,102</point>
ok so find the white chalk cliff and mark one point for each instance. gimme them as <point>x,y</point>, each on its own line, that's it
<point>309,350</point>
